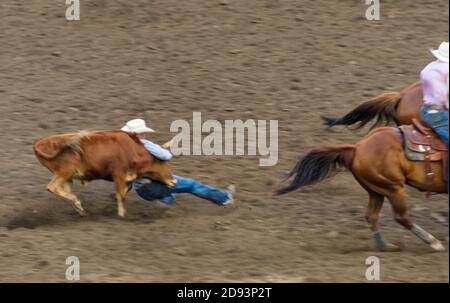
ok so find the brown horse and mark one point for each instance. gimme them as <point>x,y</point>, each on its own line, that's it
<point>379,164</point>
<point>399,107</point>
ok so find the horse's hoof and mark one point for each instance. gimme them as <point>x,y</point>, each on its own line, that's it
<point>389,247</point>
<point>437,245</point>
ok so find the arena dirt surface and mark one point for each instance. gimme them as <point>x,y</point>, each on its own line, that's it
<point>164,59</point>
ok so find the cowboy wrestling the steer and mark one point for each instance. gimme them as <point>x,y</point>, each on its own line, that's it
<point>151,190</point>
<point>111,155</point>
<point>124,157</point>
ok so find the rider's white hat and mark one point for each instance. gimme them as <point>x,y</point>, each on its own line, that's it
<point>136,126</point>
<point>442,52</point>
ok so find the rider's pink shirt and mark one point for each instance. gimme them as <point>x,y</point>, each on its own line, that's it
<point>434,79</point>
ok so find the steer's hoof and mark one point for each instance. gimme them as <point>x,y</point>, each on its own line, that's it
<point>81,212</point>
<point>437,245</point>
<point>79,208</point>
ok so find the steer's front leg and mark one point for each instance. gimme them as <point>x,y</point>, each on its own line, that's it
<point>121,191</point>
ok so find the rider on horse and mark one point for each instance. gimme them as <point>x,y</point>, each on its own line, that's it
<point>434,79</point>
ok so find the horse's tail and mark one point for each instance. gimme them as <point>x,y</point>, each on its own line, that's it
<point>382,107</point>
<point>317,165</point>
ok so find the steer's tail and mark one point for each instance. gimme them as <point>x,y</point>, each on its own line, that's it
<point>382,107</point>
<point>48,150</point>
<point>318,165</point>
<point>51,147</point>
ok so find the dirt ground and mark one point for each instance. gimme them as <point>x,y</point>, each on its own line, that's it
<point>161,60</point>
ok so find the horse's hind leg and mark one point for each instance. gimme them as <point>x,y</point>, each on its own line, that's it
<point>63,187</point>
<point>373,214</point>
<point>403,217</point>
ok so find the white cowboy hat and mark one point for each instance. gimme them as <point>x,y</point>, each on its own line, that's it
<point>136,126</point>
<point>442,52</point>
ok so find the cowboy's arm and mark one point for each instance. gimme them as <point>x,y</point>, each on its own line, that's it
<point>167,145</point>
<point>156,150</point>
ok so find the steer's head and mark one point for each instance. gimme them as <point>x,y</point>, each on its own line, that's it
<point>161,171</point>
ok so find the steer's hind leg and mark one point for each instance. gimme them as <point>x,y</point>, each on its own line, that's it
<point>54,183</point>
<point>68,190</point>
<point>121,191</point>
<point>63,187</point>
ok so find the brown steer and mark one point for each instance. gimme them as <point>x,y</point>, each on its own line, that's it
<point>109,155</point>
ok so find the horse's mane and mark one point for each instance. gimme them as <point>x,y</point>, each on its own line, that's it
<point>415,84</point>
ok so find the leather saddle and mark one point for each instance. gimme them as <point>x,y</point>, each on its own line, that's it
<point>423,144</point>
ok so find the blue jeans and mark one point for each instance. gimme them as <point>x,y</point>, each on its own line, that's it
<point>153,190</point>
<point>437,119</point>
